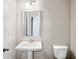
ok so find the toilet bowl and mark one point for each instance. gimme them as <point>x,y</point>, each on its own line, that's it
<point>60,51</point>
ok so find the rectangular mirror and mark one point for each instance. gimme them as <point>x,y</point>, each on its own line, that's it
<point>31,23</point>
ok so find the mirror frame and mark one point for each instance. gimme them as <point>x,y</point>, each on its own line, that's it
<point>22,24</point>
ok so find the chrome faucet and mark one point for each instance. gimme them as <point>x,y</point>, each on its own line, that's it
<point>31,40</point>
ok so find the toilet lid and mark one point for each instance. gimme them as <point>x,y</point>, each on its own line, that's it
<point>60,46</point>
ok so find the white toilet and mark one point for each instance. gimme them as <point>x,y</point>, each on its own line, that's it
<point>60,51</point>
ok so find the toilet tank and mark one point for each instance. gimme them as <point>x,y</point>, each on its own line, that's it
<point>60,51</point>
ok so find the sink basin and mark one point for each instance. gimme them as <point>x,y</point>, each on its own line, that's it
<point>29,46</point>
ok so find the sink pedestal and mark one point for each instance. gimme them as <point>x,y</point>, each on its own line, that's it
<point>30,54</point>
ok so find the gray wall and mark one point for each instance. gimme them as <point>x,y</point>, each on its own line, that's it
<point>55,26</point>
<point>73,26</point>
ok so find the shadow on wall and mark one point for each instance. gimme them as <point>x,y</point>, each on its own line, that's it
<point>70,55</point>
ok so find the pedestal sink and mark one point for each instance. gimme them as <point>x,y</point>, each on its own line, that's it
<point>30,46</point>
